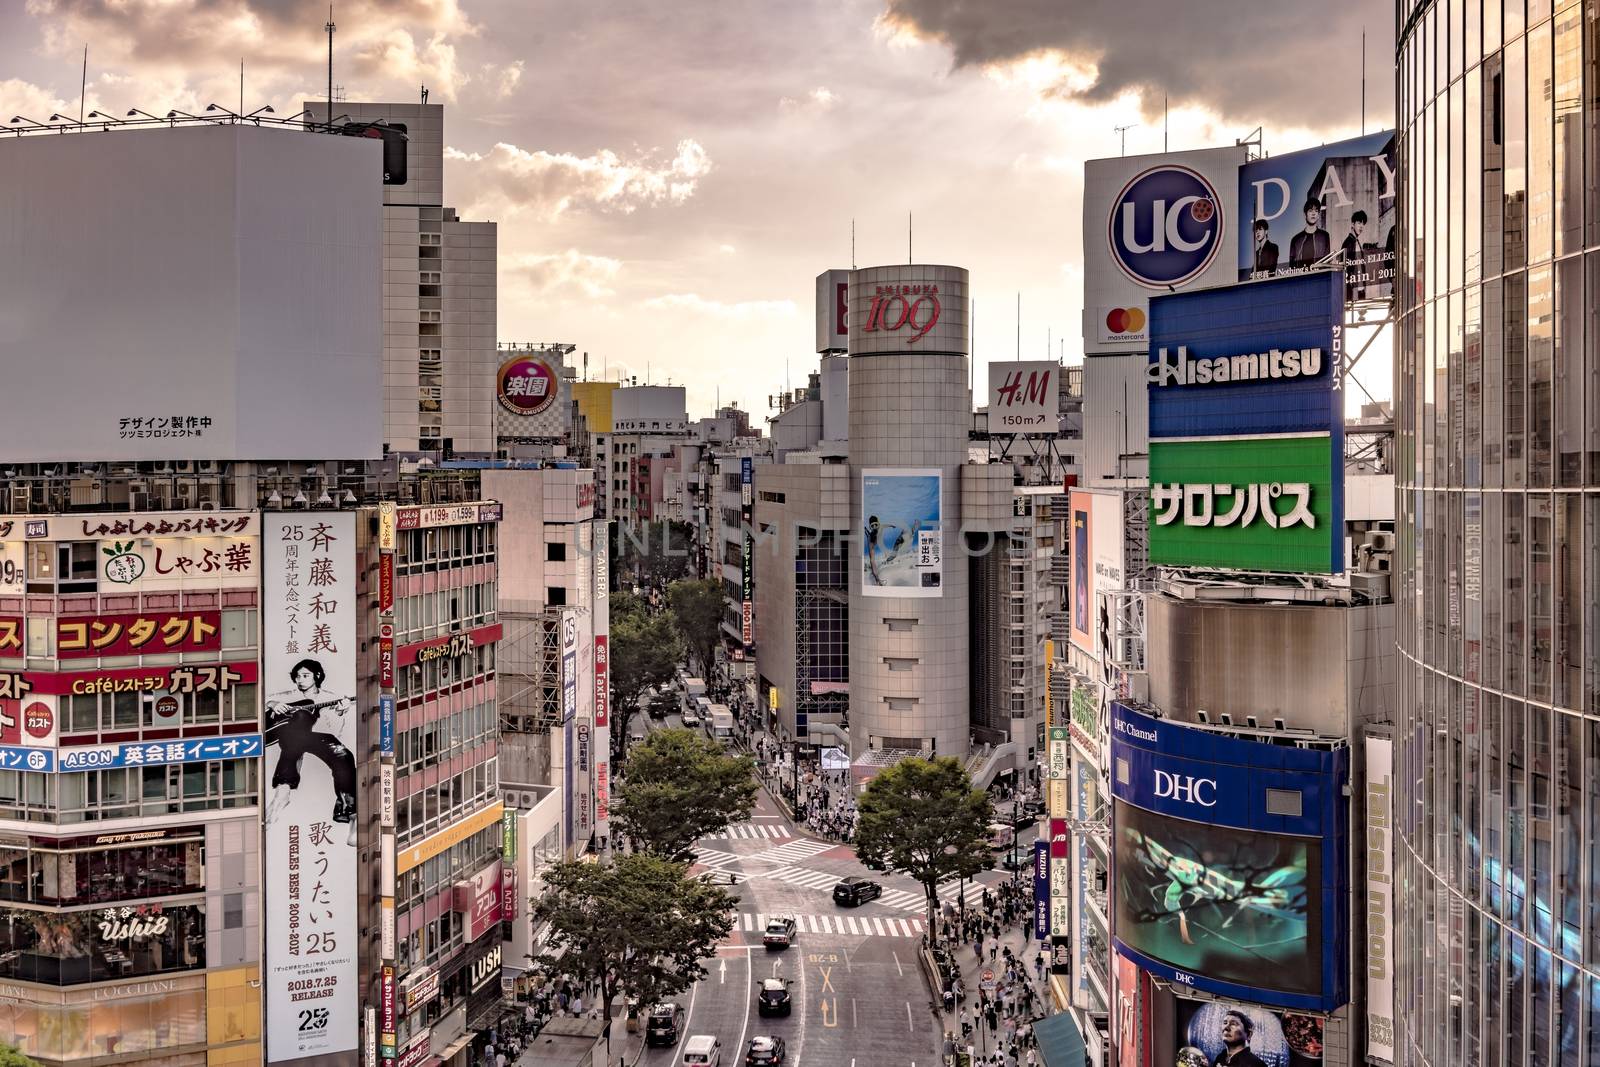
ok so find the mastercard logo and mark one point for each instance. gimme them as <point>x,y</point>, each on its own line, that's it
<point>1125,320</point>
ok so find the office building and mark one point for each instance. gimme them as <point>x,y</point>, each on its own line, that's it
<point>1496,935</point>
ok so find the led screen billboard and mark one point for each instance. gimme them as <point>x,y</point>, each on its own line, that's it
<point>1229,868</point>
<point>901,550</point>
<point>1330,205</point>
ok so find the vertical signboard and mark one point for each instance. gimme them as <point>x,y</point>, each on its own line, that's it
<point>1041,890</point>
<point>1081,621</point>
<point>747,556</point>
<point>569,714</point>
<point>602,721</point>
<point>1380,900</point>
<point>901,543</point>
<point>833,311</point>
<point>1085,798</point>
<point>309,671</point>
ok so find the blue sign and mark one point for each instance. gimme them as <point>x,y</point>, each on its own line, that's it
<point>17,758</point>
<point>1230,862</point>
<point>1041,890</point>
<point>158,753</point>
<point>1166,226</point>
<point>1249,360</point>
<point>386,725</point>
<point>747,468</point>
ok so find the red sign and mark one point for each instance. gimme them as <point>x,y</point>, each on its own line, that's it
<point>585,495</point>
<point>386,1012</point>
<point>602,791</point>
<point>897,306</point>
<point>1060,840</point>
<point>218,678</point>
<point>11,631</point>
<point>525,385</point>
<point>386,662</point>
<point>86,636</point>
<point>508,894</point>
<point>408,519</point>
<point>841,308</point>
<point>21,721</point>
<point>748,623</point>
<point>602,681</point>
<point>479,900</point>
<point>386,583</point>
<point>449,646</point>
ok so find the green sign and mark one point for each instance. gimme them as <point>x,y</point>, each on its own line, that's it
<point>1260,504</point>
<point>1086,711</point>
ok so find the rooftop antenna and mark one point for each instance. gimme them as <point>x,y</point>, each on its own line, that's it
<point>908,237</point>
<point>1123,132</point>
<point>1019,324</point>
<point>852,244</point>
<point>83,84</point>
<point>1363,81</point>
<point>1164,123</point>
<point>424,94</point>
<point>241,85</point>
<point>330,27</point>
<point>586,366</point>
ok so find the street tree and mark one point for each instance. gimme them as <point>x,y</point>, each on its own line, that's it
<point>680,786</point>
<point>12,1057</point>
<point>638,927</point>
<point>696,606</point>
<point>922,817</point>
<point>645,651</point>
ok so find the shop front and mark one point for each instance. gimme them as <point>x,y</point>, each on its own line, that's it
<point>121,1019</point>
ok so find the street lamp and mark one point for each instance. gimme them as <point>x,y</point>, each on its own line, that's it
<point>1016,812</point>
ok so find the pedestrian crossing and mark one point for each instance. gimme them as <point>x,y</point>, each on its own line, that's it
<point>856,925</point>
<point>750,831</point>
<point>801,848</point>
<point>903,899</point>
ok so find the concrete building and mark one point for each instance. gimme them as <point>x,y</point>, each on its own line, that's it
<point>439,297</point>
<point>647,423</point>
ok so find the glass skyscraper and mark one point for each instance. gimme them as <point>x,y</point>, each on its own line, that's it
<point>1497,394</point>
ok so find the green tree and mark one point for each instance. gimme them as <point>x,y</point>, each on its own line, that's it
<point>697,610</point>
<point>655,553</point>
<point>679,787</point>
<point>923,818</point>
<point>645,651</point>
<point>11,1057</point>
<point>639,926</point>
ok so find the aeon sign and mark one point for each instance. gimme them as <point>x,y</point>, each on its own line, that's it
<point>914,308</point>
<point>1165,227</point>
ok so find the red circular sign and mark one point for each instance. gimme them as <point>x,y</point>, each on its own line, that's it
<point>525,385</point>
<point>38,720</point>
<point>166,707</point>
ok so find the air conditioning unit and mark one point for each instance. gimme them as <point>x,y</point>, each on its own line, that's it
<point>1380,540</point>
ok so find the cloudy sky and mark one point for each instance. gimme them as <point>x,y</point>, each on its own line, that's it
<point>669,176</point>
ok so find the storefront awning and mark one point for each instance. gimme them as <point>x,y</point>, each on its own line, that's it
<point>1059,1041</point>
<point>466,1039</point>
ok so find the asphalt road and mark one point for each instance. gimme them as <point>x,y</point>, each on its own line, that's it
<point>860,998</point>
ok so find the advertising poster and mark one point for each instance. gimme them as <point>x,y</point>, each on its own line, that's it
<point>308,652</point>
<point>901,549</point>
<point>1224,1031</point>
<point>1106,562</point>
<point>1082,621</point>
<point>529,402</point>
<point>1229,870</point>
<point>1333,205</point>
<point>1380,899</point>
<point>1041,890</point>
<point>1024,397</point>
<point>1125,1005</point>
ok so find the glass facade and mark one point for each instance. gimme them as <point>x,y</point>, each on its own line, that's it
<point>1497,396</point>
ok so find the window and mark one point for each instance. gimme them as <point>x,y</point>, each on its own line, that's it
<point>555,551</point>
<point>555,596</point>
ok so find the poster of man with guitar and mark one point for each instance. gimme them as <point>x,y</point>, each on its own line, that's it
<point>292,719</point>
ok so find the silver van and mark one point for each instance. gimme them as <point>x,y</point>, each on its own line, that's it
<point>702,1050</point>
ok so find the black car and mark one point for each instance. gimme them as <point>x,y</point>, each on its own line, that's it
<point>853,891</point>
<point>664,1025</point>
<point>663,705</point>
<point>1022,816</point>
<point>765,1050</point>
<point>773,998</point>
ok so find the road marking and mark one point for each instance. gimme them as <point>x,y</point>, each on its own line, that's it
<point>910,1025</point>
<point>897,966</point>
<point>826,1024</point>
<point>877,925</point>
<point>851,919</point>
<point>749,977</point>
<point>835,925</point>
<point>724,973</point>
<point>827,983</point>
<point>853,1024</point>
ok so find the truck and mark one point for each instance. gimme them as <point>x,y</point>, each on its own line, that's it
<point>693,688</point>
<point>721,723</point>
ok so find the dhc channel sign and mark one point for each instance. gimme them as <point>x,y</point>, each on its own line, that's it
<point>1166,226</point>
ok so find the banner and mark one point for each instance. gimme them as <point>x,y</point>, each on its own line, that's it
<point>308,652</point>
<point>901,544</point>
<point>1041,890</point>
<point>1380,901</point>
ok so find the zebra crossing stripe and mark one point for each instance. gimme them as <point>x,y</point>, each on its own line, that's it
<point>877,924</point>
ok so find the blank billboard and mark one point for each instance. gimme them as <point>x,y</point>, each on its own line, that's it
<point>206,292</point>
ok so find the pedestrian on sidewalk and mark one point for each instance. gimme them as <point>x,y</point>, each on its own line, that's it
<point>977,947</point>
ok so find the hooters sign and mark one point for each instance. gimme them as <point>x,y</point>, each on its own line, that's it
<point>912,308</point>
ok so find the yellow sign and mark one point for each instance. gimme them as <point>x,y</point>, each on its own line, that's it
<point>772,697</point>
<point>386,526</point>
<point>1058,798</point>
<point>434,844</point>
<point>1049,669</point>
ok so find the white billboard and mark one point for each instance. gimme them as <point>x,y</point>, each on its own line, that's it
<point>1153,224</point>
<point>1380,899</point>
<point>833,311</point>
<point>308,662</point>
<point>205,292</point>
<point>902,551</point>
<point>1024,397</point>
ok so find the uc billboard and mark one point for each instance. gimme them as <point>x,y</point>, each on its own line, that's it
<point>1229,862</point>
<point>1247,426</point>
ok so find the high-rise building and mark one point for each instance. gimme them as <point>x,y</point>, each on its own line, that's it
<point>1497,744</point>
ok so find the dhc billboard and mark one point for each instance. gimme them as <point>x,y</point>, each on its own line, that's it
<point>1230,862</point>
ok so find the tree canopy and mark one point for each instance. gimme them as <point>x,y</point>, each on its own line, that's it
<point>679,787</point>
<point>697,610</point>
<point>656,553</point>
<point>638,926</point>
<point>645,651</point>
<point>11,1057</point>
<point>922,817</point>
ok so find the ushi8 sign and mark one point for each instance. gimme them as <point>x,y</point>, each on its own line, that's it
<point>308,652</point>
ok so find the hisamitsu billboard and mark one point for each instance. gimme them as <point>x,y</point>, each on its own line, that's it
<point>1230,862</point>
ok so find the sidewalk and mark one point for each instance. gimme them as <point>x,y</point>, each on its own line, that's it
<point>1018,938</point>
